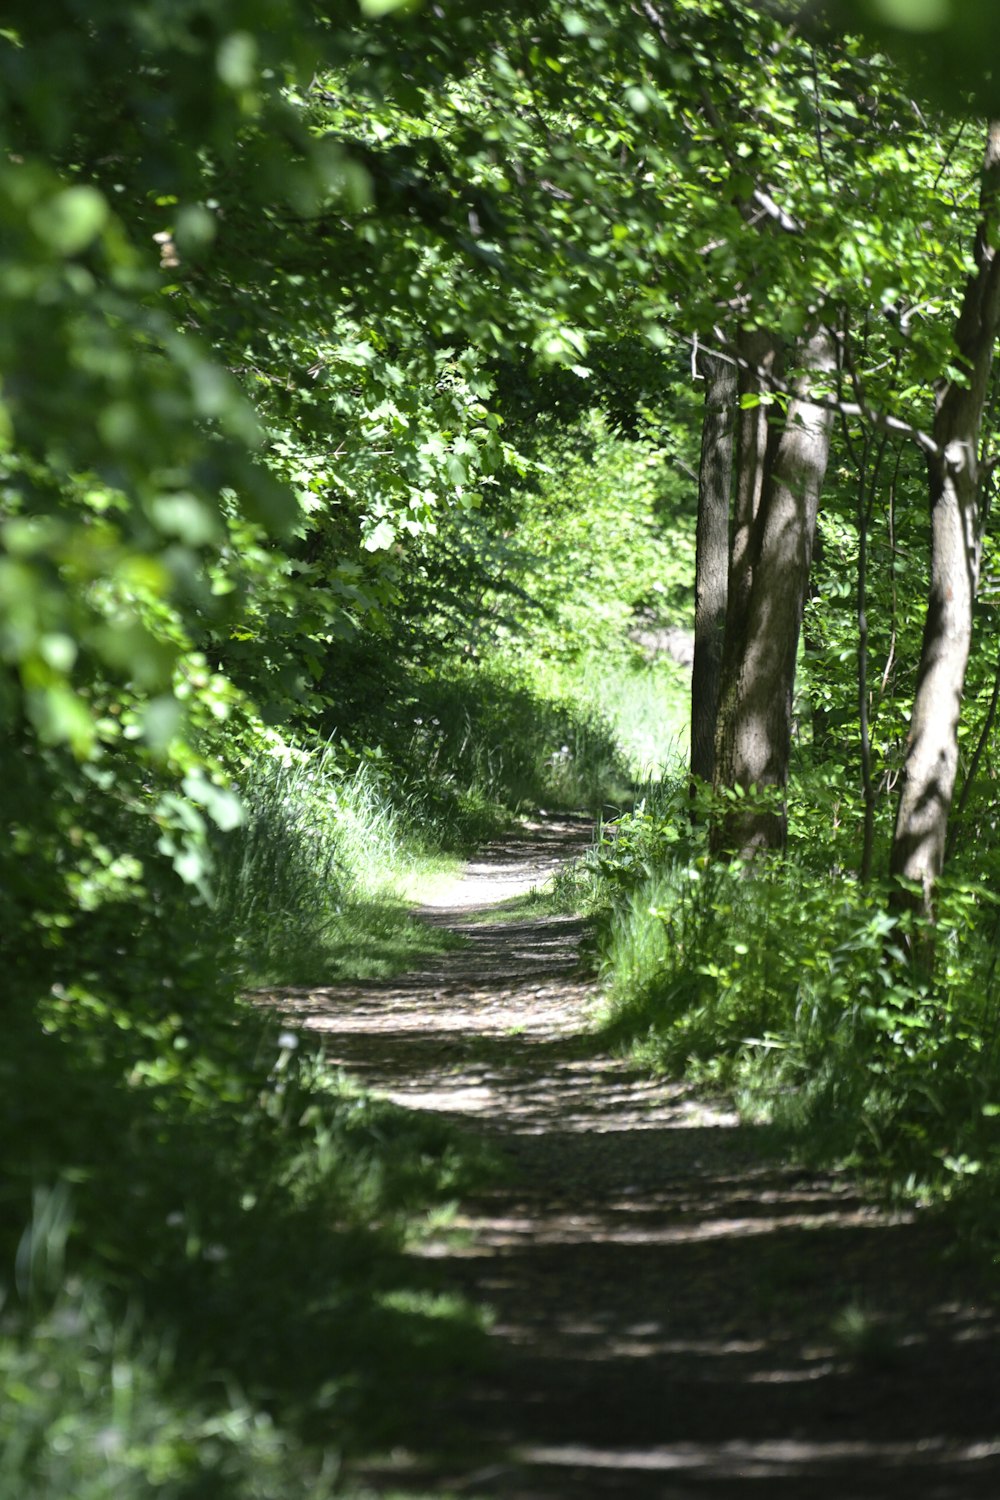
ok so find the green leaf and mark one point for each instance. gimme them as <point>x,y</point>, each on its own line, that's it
<point>573,23</point>
<point>71,220</point>
<point>382,535</point>
<point>162,719</point>
<point>236,60</point>
<point>59,651</point>
<point>222,805</point>
<point>61,717</point>
<point>187,517</point>
<point>377,8</point>
<point>195,229</point>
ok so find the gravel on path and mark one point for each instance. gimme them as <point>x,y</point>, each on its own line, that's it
<point>680,1313</point>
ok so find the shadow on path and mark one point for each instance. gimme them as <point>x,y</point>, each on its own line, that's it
<point>678,1311</point>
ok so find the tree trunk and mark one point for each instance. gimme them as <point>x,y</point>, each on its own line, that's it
<point>928,782</point>
<point>755,709</point>
<point>758,362</point>
<point>711,558</point>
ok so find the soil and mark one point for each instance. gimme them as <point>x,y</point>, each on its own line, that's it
<point>680,1313</point>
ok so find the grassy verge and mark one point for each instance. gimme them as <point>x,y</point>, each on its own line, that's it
<point>210,1295</point>
<point>313,886</point>
<point>646,703</point>
<point>788,987</point>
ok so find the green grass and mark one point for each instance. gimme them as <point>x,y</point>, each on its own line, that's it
<point>213,1296</point>
<point>646,704</point>
<point>786,985</point>
<point>311,889</point>
<point>499,734</point>
<point>372,941</point>
<point>91,1410</point>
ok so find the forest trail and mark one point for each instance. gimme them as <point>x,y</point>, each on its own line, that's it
<point>680,1314</point>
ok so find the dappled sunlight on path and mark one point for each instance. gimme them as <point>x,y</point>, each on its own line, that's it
<point>679,1312</point>
<point>513,868</point>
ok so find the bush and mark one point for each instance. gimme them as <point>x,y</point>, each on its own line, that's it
<point>309,885</point>
<point>89,1411</point>
<point>791,988</point>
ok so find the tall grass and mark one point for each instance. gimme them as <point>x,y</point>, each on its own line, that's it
<point>789,987</point>
<point>486,739</point>
<point>91,1410</point>
<point>311,887</point>
<point>645,704</point>
<point>210,1298</point>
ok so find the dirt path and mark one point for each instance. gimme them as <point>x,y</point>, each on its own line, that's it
<point>679,1313</point>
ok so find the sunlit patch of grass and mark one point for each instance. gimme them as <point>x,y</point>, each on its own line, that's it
<point>649,705</point>
<point>370,940</point>
<point>503,735</point>
<point>646,705</point>
<point>312,888</point>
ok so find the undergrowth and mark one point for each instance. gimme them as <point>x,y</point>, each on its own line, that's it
<point>311,886</point>
<point>646,703</point>
<point>474,742</point>
<point>789,986</point>
<point>276,1325</point>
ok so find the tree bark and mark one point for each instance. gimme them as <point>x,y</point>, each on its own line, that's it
<point>711,557</point>
<point>928,782</point>
<point>755,709</point>
<point>758,362</point>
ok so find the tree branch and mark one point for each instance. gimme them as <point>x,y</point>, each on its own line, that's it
<point>880,421</point>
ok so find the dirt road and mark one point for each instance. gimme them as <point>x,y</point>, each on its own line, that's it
<point>680,1314</point>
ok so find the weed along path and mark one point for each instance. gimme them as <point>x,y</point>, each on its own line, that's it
<point>678,1312</point>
